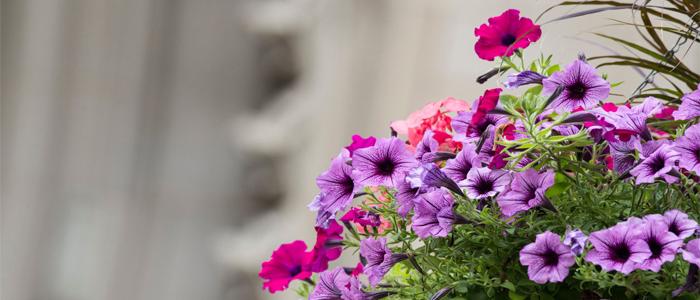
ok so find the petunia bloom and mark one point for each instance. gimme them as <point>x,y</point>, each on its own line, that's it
<point>691,252</point>
<point>678,222</point>
<point>582,86</point>
<point>662,243</point>
<point>504,34</point>
<point>690,106</point>
<point>433,214</point>
<point>547,259</point>
<point>484,182</point>
<point>656,164</point>
<point>328,246</point>
<point>427,145</point>
<point>523,78</point>
<point>623,154</point>
<point>332,284</point>
<point>405,197</point>
<point>429,176</point>
<point>338,188</point>
<point>382,164</point>
<point>575,239</point>
<point>525,192</point>
<point>458,167</point>
<point>358,142</point>
<point>379,258</point>
<point>618,248</point>
<point>688,147</point>
<point>361,217</point>
<point>289,262</point>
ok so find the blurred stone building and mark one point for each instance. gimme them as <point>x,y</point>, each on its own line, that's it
<point>161,149</point>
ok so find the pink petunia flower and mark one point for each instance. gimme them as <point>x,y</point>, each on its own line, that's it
<point>433,116</point>
<point>504,34</point>
<point>289,262</point>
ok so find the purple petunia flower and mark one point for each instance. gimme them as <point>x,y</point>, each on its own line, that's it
<point>382,164</point>
<point>690,106</point>
<point>429,176</point>
<point>575,239</point>
<point>656,164</point>
<point>523,78</point>
<point>406,195</point>
<point>484,182</point>
<point>458,167</point>
<point>677,221</point>
<point>691,252</point>
<point>468,132</point>
<point>662,243</point>
<point>547,259</point>
<point>582,87</point>
<point>623,154</point>
<point>379,258</point>
<point>618,248</point>
<point>332,284</point>
<point>688,146</point>
<point>338,188</point>
<point>525,192</point>
<point>427,145</point>
<point>433,214</point>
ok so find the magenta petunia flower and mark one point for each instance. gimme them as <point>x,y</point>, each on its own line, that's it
<point>623,154</point>
<point>688,147</point>
<point>379,258</point>
<point>328,246</point>
<point>575,239</point>
<point>656,164</point>
<point>504,34</point>
<point>289,262</point>
<point>484,182</point>
<point>405,197</point>
<point>690,106</point>
<point>332,285</point>
<point>338,188</point>
<point>361,217</point>
<point>618,248</point>
<point>677,221</point>
<point>433,214</point>
<point>525,192</point>
<point>662,243</point>
<point>358,142</point>
<point>382,164</point>
<point>582,87</point>
<point>458,167</point>
<point>547,259</point>
<point>691,252</point>
<point>523,78</point>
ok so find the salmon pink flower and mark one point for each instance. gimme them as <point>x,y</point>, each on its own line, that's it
<point>289,262</point>
<point>504,34</point>
<point>433,116</point>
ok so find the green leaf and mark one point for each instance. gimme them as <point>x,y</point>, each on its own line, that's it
<point>515,296</point>
<point>508,285</point>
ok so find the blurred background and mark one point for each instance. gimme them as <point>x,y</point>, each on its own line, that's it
<point>161,149</point>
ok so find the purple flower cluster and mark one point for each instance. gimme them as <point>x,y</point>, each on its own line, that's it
<point>640,244</point>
